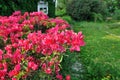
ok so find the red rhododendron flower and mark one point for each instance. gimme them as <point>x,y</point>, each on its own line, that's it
<point>15,71</point>
<point>14,79</point>
<point>3,70</point>
<point>44,66</point>
<point>16,13</point>
<point>58,76</point>
<point>68,77</point>
<point>1,53</point>
<point>32,65</point>
<point>17,67</point>
<point>48,70</point>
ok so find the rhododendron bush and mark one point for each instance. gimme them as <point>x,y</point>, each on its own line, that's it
<point>33,41</point>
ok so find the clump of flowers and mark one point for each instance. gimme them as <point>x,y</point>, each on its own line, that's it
<point>32,42</point>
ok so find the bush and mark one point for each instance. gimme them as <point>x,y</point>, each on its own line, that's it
<point>84,9</point>
<point>8,7</point>
<point>112,5</point>
<point>51,8</point>
<point>67,18</point>
<point>61,12</point>
<point>34,44</point>
<point>116,14</point>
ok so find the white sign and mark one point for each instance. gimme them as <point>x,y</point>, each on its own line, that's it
<point>42,6</point>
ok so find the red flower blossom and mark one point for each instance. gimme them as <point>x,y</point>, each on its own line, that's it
<point>1,53</point>
<point>58,76</point>
<point>48,70</point>
<point>32,65</point>
<point>68,77</point>
<point>14,79</point>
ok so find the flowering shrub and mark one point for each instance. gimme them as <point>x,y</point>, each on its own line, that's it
<point>33,41</point>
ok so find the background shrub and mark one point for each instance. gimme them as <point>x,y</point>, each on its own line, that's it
<point>61,7</point>
<point>116,15</point>
<point>84,9</point>
<point>112,5</point>
<point>8,7</point>
<point>51,8</point>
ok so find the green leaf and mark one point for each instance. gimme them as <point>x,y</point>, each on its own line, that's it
<point>61,58</point>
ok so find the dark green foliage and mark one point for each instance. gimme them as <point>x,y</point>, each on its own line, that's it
<point>84,9</point>
<point>7,7</point>
<point>118,1</point>
<point>116,14</point>
<point>51,8</point>
<point>1,43</point>
<point>112,5</point>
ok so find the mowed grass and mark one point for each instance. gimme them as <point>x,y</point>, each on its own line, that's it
<point>100,57</point>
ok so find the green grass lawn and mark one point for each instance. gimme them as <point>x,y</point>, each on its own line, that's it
<point>100,57</point>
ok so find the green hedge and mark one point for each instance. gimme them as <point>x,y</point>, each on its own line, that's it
<point>85,9</point>
<point>51,8</point>
<point>7,7</point>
